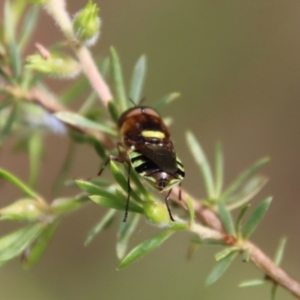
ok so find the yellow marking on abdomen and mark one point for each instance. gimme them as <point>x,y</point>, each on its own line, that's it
<point>153,134</point>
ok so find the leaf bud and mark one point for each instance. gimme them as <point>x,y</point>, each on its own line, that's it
<point>86,24</point>
<point>23,210</point>
<point>55,64</point>
<point>157,214</point>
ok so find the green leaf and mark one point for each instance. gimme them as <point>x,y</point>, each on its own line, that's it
<point>9,124</point>
<point>6,102</point>
<point>15,243</point>
<point>222,254</point>
<point>244,177</point>
<point>202,162</point>
<point>78,120</point>
<point>273,291</point>
<point>280,251</point>
<point>138,79</point>
<point>9,26</point>
<point>75,91</point>
<point>178,226</point>
<point>99,148</point>
<point>220,268</point>
<point>98,181</point>
<point>118,79</point>
<point>116,202</point>
<point>165,100</point>
<point>208,242</point>
<point>88,104</point>
<point>17,182</point>
<point>122,181</point>
<point>105,67</point>
<point>65,168</point>
<point>253,283</point>
<point>219,169</point>
<point>65,205</point>
<point>125,232</point>
<point>256,216</point>
<point>252,187</point>
<point>35,146</point>
<point>28,26</point>
<point>134,177</point>
<point>132,204</point>
<point>38,248</point>
<point>192,248</point>
<point>103,223</point>
<point>24,209</point>
<point>241,214</point>
<point>7,77</point>
<point>246,255</point>
<point>93,189</point>
<point>226,219</point>
<point>191,208</point>
<point>144,248</point>
<point>114,111</point>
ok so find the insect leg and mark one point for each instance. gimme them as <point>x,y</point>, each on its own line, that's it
<point>167,204</point>
<point>179,192</point>
<point>114,158</point>
<point>128,194</point>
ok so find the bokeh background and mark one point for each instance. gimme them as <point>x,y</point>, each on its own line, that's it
<point>237,65</point>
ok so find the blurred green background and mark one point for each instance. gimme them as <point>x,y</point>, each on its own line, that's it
<point>237,65</point>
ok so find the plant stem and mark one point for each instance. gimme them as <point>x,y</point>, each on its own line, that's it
<point>57,9</point>
<point>262,261</point>
<point>257,256</point>
<point>205,215</point>
<point>49,103</point>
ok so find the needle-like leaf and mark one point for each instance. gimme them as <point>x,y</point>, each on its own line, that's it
<point>256,216</point>
<point>244,177</point>
<point>103,223</point>
<point>138,79</point>
<point>125,232</point>
<point>78,120</point>
<point>118,79</point>
<point>15,243</point>
<point>17,182</point>
<point>144,248</point>
<point>220,268</point>
<point>202,162</point>
<point>226,219</point>
<point>219,169</point>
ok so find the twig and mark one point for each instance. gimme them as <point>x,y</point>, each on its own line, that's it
<point>262,261</point>
<point>56,9</point>
<point>38,96</point>
<point>257,256</point>
<point>49,103</point>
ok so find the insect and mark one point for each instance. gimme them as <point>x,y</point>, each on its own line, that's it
<point>149,150</point>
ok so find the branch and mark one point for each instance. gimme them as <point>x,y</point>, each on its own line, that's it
<point>56,9</point>
<point>278,275</point>
<point>257,256</point>
<point>49,103</point>
<point>205,215</point>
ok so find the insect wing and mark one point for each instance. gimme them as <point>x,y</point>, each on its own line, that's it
<point>163,157</point>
